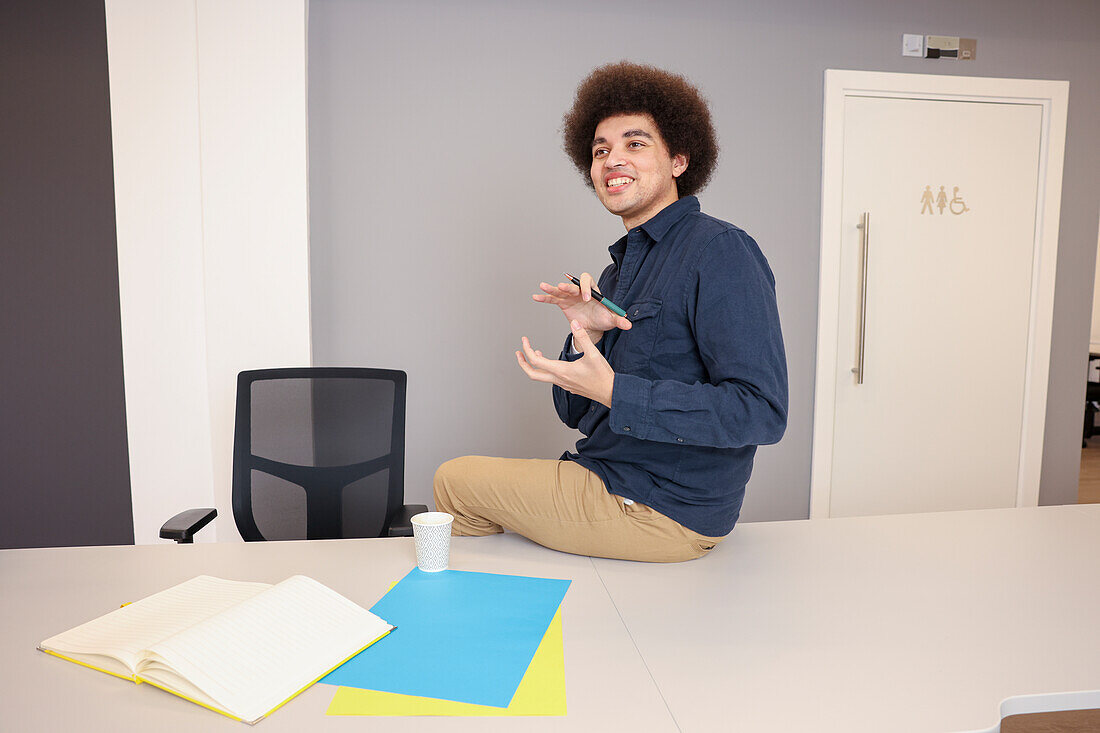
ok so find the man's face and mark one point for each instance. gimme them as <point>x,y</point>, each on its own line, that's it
<point>632,171</point>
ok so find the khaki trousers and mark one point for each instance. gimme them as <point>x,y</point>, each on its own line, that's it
<point>561,505</point>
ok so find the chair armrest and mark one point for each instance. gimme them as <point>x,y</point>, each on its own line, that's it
<point>401,523</point>
<point>183,526</point>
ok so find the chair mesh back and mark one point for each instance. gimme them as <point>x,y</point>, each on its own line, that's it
<point>322,422</point>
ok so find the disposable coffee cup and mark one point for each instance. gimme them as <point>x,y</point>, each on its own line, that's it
<point>432,533</point>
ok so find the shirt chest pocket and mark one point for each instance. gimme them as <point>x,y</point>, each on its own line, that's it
<point>635,346</point>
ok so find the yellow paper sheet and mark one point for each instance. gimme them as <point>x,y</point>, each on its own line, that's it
<point>540,692</point>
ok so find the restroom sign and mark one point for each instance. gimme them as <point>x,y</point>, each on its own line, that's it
<point>933,201</point>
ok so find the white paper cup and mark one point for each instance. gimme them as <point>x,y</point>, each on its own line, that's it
<point>432,533</point>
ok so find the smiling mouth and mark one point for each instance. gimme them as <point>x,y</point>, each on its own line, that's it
<point>619,182</point>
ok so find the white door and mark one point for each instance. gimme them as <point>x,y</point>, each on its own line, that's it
<point>937,264</point>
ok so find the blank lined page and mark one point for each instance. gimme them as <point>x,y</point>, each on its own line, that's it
<point>124,633</point>
<point>256,655</point>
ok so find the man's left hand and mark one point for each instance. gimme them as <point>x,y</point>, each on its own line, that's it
<point>590,376</point>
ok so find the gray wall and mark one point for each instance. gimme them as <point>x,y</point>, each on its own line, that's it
<point>64,465</point>
<point>440,196</point>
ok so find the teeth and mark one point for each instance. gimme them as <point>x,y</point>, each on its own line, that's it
<point>618,182</point>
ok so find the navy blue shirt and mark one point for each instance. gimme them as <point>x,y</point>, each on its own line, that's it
<point>700,377</point>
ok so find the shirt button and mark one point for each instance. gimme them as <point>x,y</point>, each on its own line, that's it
<point>679,440</point>
<point>626,428</point>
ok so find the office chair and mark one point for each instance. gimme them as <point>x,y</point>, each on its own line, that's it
<point>318,453</point>
<point>1092,401</point>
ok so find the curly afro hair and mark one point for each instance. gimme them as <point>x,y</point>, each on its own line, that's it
<point>680,111</point>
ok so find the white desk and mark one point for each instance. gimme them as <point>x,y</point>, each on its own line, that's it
<point>904,623</point>
<point>46,591</point>
<point>920,622</point>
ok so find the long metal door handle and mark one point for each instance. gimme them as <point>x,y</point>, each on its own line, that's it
<point>864,242</point>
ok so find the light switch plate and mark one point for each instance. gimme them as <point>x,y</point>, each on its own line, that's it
<point>912,44</point>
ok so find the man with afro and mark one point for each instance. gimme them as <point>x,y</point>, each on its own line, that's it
<point>671,400</point>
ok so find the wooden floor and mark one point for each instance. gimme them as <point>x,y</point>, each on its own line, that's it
<point>1088,486</point>
<point>1063,721</point>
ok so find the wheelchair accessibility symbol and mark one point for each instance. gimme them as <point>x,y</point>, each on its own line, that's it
<point>930,200</point>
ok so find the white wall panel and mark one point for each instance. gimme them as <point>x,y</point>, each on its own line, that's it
<point>208,117</point>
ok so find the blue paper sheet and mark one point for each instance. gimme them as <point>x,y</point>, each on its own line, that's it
<point>460,636</point>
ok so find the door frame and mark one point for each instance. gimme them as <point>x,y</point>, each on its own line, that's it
<point>1052,97</point>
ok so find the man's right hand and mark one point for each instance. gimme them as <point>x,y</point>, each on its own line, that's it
<point>577,304</point>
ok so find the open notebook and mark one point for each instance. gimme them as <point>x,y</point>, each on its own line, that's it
<point>242,649</point>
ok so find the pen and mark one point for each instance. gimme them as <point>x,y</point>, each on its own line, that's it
<point>603,301</point>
